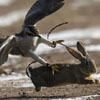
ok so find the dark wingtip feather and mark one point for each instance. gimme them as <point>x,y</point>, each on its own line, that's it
<point>41,9</point>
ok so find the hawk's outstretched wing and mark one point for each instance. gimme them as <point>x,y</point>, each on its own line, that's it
<point>5,48</point>
<point>41,9</point>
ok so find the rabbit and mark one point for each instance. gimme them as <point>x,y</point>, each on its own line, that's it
<point>67,73</point>
<point>27,41</point>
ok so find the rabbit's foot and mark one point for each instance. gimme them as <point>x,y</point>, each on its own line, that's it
<point>38,88</point>
<point>97,81</point>
<point>93,80</point>
<point>89,80</point>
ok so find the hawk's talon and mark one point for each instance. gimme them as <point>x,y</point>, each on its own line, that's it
<point>57,42</point>
<point>54,44</point>
<point>53,68</point>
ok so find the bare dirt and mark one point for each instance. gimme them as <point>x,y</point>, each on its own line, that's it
<point>84,17</point>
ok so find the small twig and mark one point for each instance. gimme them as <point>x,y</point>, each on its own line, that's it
<point>55,28</point>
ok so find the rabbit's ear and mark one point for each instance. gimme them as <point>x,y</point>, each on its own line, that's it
<point>81,48</point>
<point>74,53</point>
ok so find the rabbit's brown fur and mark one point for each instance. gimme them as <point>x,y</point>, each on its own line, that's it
<point>67,74</point>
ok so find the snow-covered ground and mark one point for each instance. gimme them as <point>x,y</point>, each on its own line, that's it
<point>90,97</point>
<point>70,37</point>
<point>23,81</point>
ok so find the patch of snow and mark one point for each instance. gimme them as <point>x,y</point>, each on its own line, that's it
<point>80,98</point>
<point>6,78</point>
<point>76,4</point>
<point>11,18</point>
<point>71,37</point>
<point>5,2</point>
<point>12,60</point>
<point>96,76</point>
<point>24,81</point>
<point>25,84</point>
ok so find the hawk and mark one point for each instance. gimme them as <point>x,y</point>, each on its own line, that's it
<point>25,42</point>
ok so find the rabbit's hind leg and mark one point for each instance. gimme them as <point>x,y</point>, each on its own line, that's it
<point>37,88</point>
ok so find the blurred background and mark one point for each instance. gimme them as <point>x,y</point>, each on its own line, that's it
<point>83,17</point>
<point>84,25</point>
<point>79,14</point>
